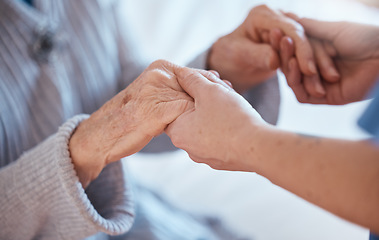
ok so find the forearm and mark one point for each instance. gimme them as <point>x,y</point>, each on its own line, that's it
<point>337,175</point>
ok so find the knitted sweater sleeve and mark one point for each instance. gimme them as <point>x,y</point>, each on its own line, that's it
<point>43,199</point>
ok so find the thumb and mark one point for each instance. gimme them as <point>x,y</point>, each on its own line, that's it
<point>176,108</point>
<point>320,29</point>
<point>191,81</point>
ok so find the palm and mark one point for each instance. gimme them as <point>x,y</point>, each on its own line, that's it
<point>355,42</point>
<point>356,78</point>
<point>353,49</point>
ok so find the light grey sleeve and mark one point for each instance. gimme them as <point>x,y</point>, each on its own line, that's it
<point>43,199</point>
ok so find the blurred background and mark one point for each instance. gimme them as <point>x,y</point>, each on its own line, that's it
<point>178,30</point>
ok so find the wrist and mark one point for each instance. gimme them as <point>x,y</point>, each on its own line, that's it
<point>85,158</point>
<point>248,145</point>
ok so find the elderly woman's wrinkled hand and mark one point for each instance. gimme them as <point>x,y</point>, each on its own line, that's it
<point>211,131</point>
<point>127,122</point>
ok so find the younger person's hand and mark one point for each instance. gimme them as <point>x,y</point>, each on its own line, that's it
<point>212,130</point>
<point>246,59</point>
<point>354,50</point>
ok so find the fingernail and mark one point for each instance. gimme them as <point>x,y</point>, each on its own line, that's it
<point>319,89</point>
<point>215,73</point>
<point>228,83</point>
<point>312,67</point>
<point>333,73</point>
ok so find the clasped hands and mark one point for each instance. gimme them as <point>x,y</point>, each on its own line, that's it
<point>203,114</point>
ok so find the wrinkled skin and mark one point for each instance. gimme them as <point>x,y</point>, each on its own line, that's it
<point>127,122</point>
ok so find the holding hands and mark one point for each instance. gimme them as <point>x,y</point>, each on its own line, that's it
<point>211,131</point>
<point>223,131</point>
<point>127,122</point>
<point>204,116</point>
<point>354,50</point>
<point>347,59</point>
<point>245,56</point>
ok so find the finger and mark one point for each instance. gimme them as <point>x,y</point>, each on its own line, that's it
<point>262,17</point>
<point>265,36</point>
<point>303,48</point>
<point>312,83</point>
<point>275,36</point>
<point>313,86</point>
<point>324,62</point>
<point>174,109</point>
<point>320,29</point>
<point>315,100</point>
<point>294,81</point>
<point>208,73</point>
<point>229,84</point>
<point>192,81</point>
<point>304,54</point>
<point>215,73</point>
<point>330,49</point>
<point>286,53</point>
<point>296,32</point>
<point>213,78</point>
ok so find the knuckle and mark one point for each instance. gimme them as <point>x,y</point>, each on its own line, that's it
<point>261,7</point>
<point>258,10</point>
<point>156,75</point>
<point>193,75</point>
<point>296,28</point>
<point>159,63</point>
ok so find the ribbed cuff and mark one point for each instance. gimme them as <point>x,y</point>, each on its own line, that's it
<point>53,190</point>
